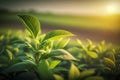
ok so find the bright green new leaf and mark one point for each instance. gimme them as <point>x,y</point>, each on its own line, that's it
<point>54,64</point>
<point>91,46</point>
<point>9,54</point>
<point>95,78</point>
<point>81,44</point>
<point>1,37</point>
<point>92,54</point>
<point>102,43</point>
<point>74,73</point>
<point>16,50</point>
<point>87,73</point>
<point>110,63</point>
<point>100,49</point>
<point>32,24</point>
<point>57,34</point>
<point>58,77</point>
<point>61,43</point>
<point>90,42</point>
<point>112,56</point>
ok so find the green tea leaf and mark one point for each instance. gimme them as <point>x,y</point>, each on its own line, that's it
<point>1,37</point>
<point>101,47</point>
<point>57,34</point>
<point>32,24</point>
<point>107,69</point>
<point>102,43</point>
<point>58,77</point>
<point>61,43</point>
<point>9,54</point>
<point>74,73</point>
<point>20,66</point>
<point>81,44</point>
<point>109,62</point>
<point>112,56</point>
<point>44,72</point>
<point>30,56</point>
<point>95,78</point>
<point>59,69</point>
<point>87,73</point>
<point>66,55</point>
<point>92,54</point>
<point>53,53</point>
<point>16,50</point>
<point>91,46</point>
<point>82,66</point>
<point>54,64</point>
<point>90,42</point>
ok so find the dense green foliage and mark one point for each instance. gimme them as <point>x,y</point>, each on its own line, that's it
<point>32,55</point>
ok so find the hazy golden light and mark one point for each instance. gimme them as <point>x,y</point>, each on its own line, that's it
<point>112,8</point>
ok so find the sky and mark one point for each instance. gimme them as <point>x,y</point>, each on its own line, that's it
<point>83,7</point>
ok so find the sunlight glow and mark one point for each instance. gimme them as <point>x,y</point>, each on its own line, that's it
<point>111,8</point>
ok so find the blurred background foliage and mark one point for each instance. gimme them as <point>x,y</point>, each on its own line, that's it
<point>94,19</point>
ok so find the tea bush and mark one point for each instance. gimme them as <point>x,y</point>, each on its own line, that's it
<point>33,55</point>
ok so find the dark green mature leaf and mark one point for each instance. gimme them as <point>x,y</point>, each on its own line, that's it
<point>20,66</point>
<point>110,63</point>
<point>32,24</point>
<point>94,78</point>
<point>53,53</point>
<point>106,69</point>
<point>57,34</point>
<point>74,73</point>
<point>4,59</point>
<point>44,72</point>
<point>82,66</point>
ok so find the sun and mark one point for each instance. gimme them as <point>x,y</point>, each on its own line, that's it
<point>111,8</point>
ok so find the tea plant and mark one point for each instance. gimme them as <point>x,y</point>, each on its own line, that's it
<point>9,52</point>
<point>39,49</point>
<point>34,55</point>
<point>100,59</point>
